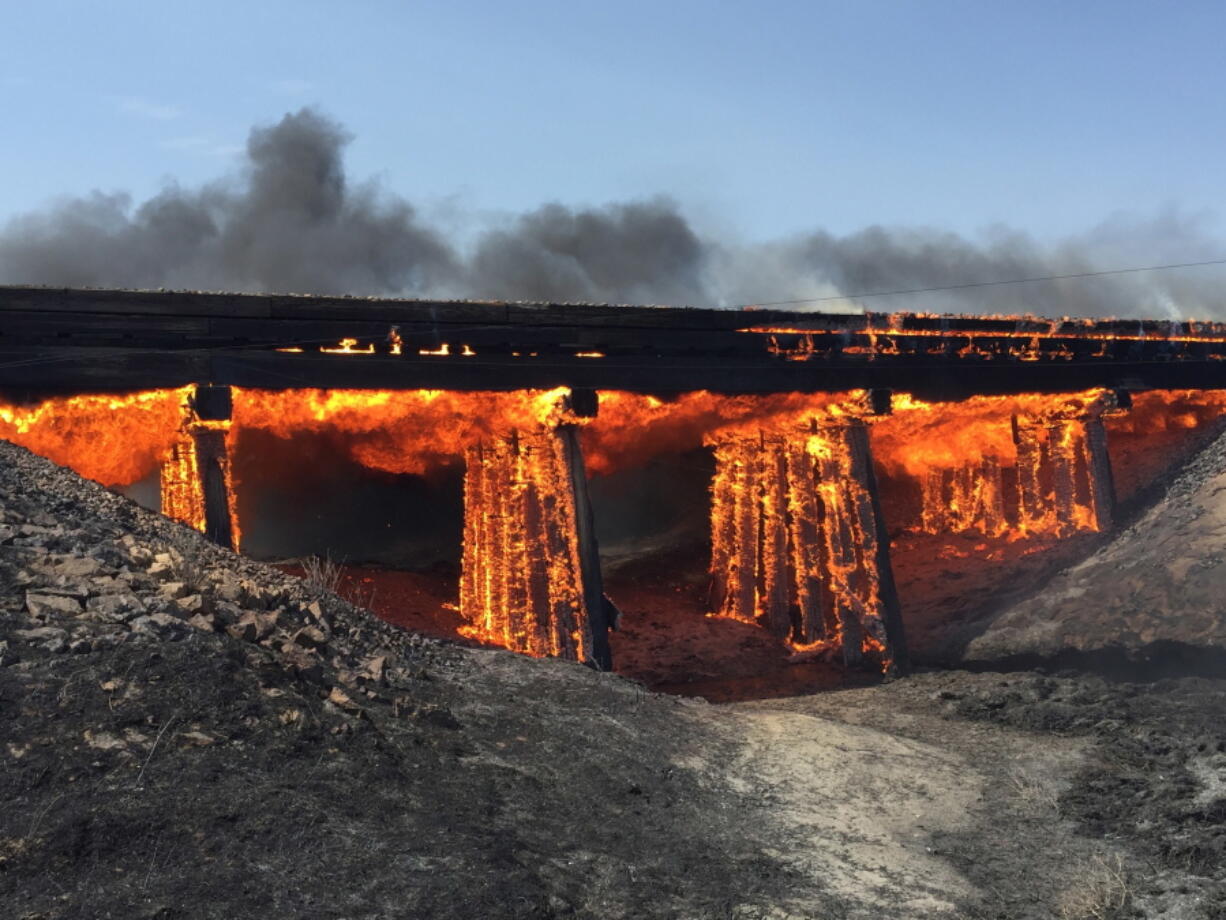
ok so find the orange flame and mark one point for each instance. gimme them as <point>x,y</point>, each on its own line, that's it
<point>113,439</point>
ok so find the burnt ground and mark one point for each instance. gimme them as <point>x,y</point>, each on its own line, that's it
<point>184,733</point>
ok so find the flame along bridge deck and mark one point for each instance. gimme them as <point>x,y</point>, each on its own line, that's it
<point>54,340</point>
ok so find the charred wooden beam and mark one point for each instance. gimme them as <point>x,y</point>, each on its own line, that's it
<point>895,640</point>
<point>1102,480</point>
<point>107,341</point>
<point>196,483</point>
<point>599,653</point>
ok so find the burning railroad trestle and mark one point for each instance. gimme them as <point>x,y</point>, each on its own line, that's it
<point>798,537</point>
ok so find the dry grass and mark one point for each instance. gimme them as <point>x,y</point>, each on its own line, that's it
<point>321,574</point>
<point>1039,792</point>
<point>1102,891</point>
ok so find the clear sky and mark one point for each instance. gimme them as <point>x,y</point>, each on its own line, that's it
<point>761,118</point>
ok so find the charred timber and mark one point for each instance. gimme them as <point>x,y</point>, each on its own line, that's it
<point>83,341</point>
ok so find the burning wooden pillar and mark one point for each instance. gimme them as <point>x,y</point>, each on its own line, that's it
<point>530,576</point>
<point>196,476</point>
<point>1064,472</point>
<point>798,541</point>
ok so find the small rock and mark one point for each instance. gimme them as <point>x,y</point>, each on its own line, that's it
<point>306,665</point>
<point>158,624</point>
<point>252,626</point>
<point>116,608</point>
<point>44,604</point>
<point>373,668</point>
<point>173,589</point>
<point>40,634</point>
<point>197,739</point>
<point>77,567</point>
<point>190,604</point>
<point>339,697</point>
<point>229,591</point>
<point>204,621</point>
<point>310,637</point>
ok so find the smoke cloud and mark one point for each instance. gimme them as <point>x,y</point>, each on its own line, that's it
<point>291,221</point>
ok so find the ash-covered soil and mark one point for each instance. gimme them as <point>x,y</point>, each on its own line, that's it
<point>184,733</point>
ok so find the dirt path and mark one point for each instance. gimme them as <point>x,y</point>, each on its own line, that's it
<point>857,808</point>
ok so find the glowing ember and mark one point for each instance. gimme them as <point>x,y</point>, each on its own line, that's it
<point>349,347</point>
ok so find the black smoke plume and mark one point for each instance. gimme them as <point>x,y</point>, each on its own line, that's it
<point>292,222</point>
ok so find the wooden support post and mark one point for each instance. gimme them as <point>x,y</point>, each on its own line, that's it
<point>1063,442</point>
<point>1031,508</point>
<point>815,618</point>
<point>213,407</point>
<point>1102,481</point>
<point>1064,472</point>
<point>585,403</point>
<point>774,580</point>
<point>196,477</point>
<point>887,590</point>
<point>723,503</point>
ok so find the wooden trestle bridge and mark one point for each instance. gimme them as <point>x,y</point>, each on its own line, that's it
<point>811,586</point>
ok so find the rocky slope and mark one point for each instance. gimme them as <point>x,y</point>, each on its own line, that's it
<point>186,733</point>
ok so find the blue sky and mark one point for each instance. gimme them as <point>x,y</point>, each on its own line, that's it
<point>762,119</point>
